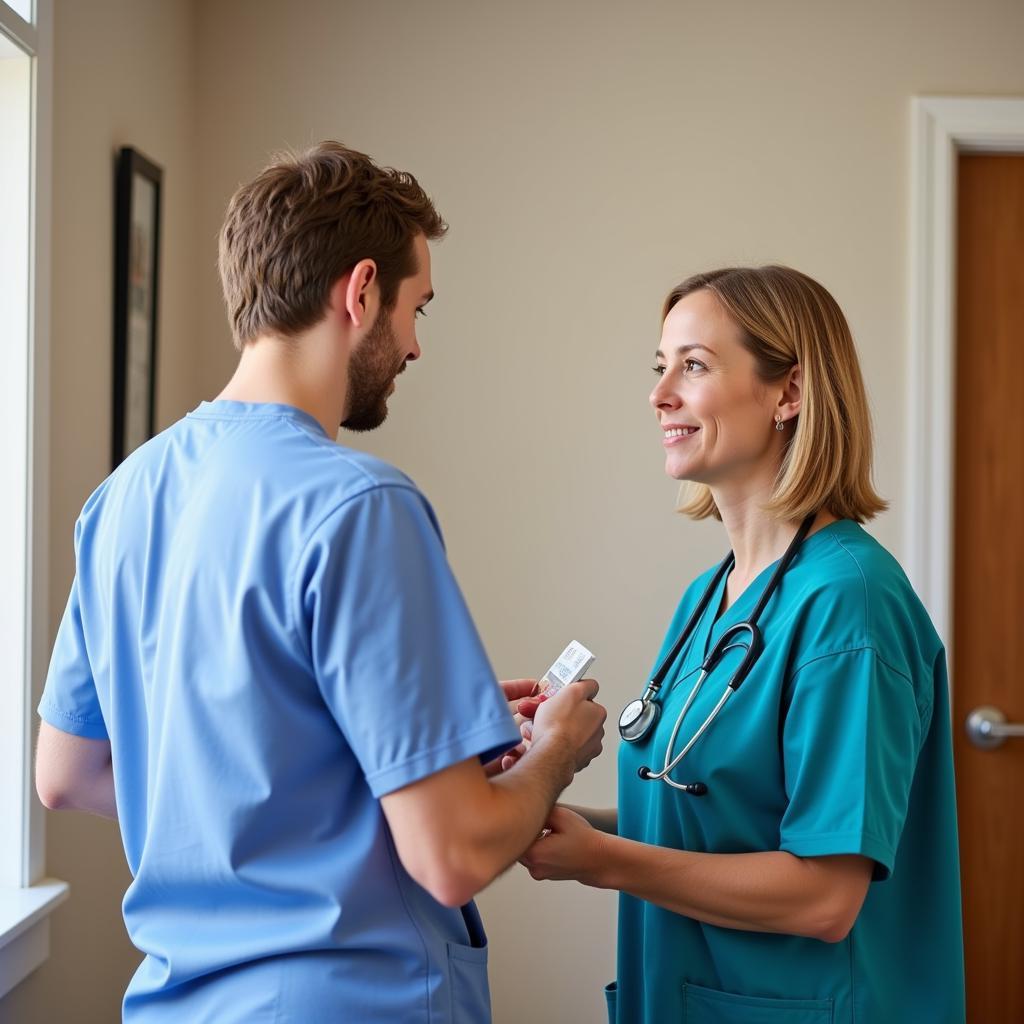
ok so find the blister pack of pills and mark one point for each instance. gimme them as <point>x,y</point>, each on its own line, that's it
<point>570,667</point>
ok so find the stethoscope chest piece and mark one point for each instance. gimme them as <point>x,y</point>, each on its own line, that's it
<point>638,718</point>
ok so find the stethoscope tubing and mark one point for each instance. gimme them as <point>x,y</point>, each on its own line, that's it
<point>635,723</point>
<point>671,765</point>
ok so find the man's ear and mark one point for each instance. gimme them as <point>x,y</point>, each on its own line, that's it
<point>356,294</point>
<point>792,394</point>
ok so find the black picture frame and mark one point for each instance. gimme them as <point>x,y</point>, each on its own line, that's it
<point>137,205</point>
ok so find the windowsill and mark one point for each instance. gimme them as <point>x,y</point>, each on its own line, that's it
<point>25,928</point>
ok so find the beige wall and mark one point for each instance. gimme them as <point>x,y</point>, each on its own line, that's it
<point>587,155</point>
<point>124,75</point>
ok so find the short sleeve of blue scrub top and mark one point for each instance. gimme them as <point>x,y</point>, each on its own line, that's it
<point>70,702</point>
<point>408,683</point>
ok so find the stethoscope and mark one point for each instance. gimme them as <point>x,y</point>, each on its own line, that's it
<point>639,716</point>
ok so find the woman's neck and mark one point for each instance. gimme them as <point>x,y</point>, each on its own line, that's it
<point>758,539</point>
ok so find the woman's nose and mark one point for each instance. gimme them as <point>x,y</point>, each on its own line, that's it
<point>663,397</point>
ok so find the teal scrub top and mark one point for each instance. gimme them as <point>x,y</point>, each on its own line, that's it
<point>838,742</point>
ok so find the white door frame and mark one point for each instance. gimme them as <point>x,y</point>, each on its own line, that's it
<point>942,127</point>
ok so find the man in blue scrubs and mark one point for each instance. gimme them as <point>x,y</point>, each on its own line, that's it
<point>266,671</point>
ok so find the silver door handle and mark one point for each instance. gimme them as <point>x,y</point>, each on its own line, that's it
<point>987,728</point>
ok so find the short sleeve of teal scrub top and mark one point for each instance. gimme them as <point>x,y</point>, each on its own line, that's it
<point>838,742</point>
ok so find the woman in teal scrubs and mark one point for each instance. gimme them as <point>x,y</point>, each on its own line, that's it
<point>810,874</point>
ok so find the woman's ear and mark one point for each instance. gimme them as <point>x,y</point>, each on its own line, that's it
<point>788,405</point>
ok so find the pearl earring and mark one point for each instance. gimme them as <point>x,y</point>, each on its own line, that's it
<point>779,425</point>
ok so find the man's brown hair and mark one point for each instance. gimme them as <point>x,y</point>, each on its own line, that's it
<point>306,220</point>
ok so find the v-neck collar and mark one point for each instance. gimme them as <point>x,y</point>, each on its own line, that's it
<point>713,625</point>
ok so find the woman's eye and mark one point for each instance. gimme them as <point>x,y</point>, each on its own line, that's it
<point>420,311</point>
<point>689,366</point>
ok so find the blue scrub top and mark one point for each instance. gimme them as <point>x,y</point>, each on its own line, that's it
<point>265,626</point>
<point>838,742</point>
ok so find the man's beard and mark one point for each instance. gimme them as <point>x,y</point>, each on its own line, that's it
<point>371,370</point>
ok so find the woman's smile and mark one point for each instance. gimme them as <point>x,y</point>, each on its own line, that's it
<point>677,434</point>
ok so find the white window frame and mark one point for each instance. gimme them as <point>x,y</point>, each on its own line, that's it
<point>26,896</point>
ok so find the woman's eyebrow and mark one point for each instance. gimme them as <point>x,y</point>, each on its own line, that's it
<point>684,350</point>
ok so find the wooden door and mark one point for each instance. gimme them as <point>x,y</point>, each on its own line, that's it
<point>988,615</point>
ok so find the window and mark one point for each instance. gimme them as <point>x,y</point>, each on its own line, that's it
<point>25,897</point>
<point>15,100</point>
<point>23,8</point>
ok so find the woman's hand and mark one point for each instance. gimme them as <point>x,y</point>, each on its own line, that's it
<point>568,849</point>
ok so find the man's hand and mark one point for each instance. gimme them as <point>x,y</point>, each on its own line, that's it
<point>517,692</point>
<point>573,715</point>
<point>580,718</point>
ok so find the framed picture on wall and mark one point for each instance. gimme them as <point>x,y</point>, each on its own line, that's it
<point>136,275</point>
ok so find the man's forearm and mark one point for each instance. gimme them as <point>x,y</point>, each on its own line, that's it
<point>457,830</point>
<point>522,798</point>
<point>74,773</point>
<point>93,794</point>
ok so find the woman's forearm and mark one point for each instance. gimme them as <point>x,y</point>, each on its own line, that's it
<point>818,897</point>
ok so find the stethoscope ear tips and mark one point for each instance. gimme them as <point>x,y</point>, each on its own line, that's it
<point>644,773</point>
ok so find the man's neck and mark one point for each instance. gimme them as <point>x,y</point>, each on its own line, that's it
<point>298,372</point>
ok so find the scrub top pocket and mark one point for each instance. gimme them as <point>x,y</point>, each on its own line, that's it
<point>709,1006</point>
<point>467,977</point>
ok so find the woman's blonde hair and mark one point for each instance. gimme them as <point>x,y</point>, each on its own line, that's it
<point>787,318</point>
